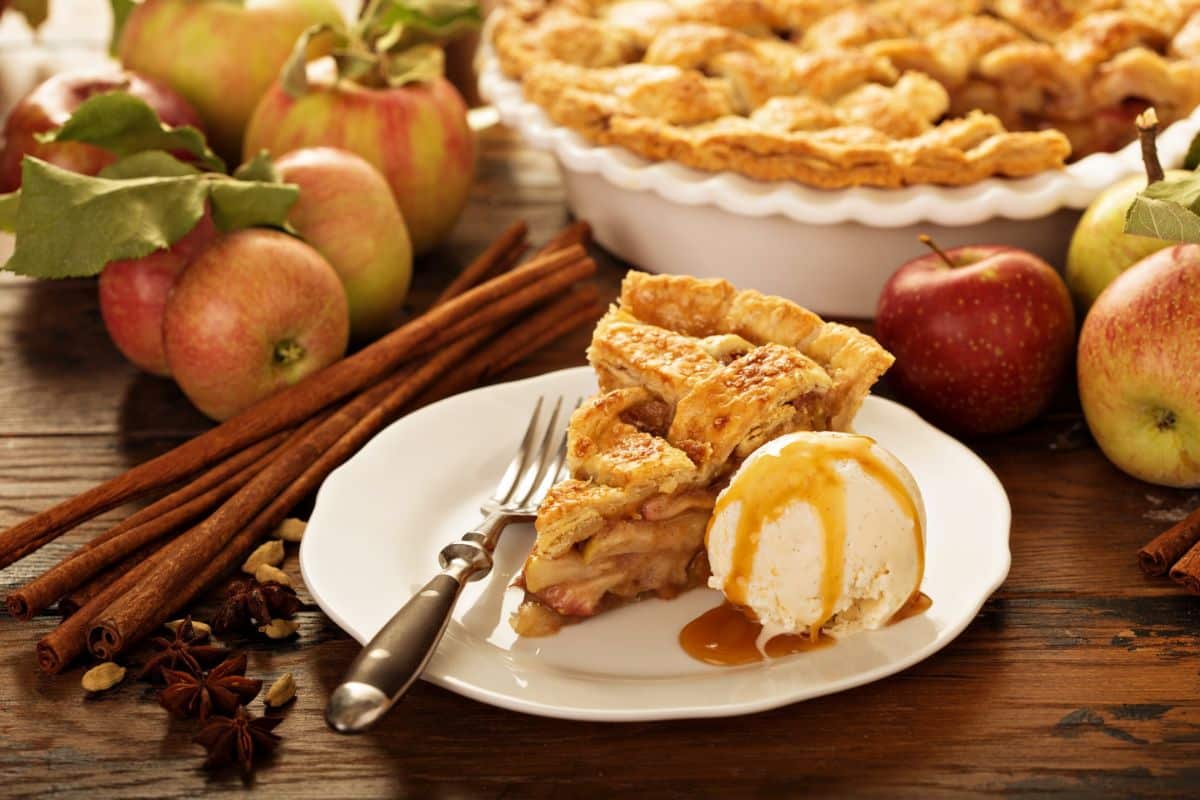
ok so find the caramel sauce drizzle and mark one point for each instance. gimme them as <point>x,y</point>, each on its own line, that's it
<point>726,635</point>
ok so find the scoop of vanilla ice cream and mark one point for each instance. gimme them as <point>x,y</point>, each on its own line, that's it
<point>819,531</point>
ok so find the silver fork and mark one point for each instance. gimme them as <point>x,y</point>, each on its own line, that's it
<point>395,658</point>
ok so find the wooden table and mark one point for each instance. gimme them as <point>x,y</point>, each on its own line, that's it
<point>1078,678</point>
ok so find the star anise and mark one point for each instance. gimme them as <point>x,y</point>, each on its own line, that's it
<point>222,689</point>
<point>186,652</point>
<point>249,604</point>
<point>238,739</point>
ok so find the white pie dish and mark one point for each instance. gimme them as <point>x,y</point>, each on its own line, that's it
<point>381,518</point>
<point>830,250</point>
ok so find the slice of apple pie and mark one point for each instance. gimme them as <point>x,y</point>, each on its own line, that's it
<point>694,376</point>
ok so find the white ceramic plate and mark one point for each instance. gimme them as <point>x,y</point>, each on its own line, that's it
<point>382,517</point>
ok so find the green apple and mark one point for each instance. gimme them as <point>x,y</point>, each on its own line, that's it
<point>1100,249</point>
<point>1138,381</point>
<point>220,55</point>
<point>347,212</point>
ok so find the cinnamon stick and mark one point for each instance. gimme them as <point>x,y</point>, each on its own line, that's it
<point>263,503</point>
<point>512,291</point>
<point>68,641</point>
<point>76,599</point>
<point>84,564</point>
<point>1186,571</point>
<point>1161,552</point>
<point>486,262</point>
<point>577,233</point>
<point>566,313</point>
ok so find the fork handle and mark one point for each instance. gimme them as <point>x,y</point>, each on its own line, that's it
<point>396,656</point>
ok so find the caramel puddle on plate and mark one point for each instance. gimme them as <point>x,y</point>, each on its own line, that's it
<point>727,637</point>
<point>801,470</point>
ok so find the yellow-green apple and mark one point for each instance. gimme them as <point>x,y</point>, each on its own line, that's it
<point>982,335</point>
<point>1138,380</point>
<point>133,296</point>
<point>254,312</point>
<point>415,134</point>
<point>347,212</point>
<point>1100,249</point>
<point>220,55</point>
<point>51,103</point>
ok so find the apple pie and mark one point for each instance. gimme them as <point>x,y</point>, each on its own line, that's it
<point>838,93</point>
<point>694,376</point>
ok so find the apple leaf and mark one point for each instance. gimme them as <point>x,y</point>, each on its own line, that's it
<point>121,9</point>
<point>424,62</point>
<point>400,24</point>
<point>260,168</point>
<point>1192,159</point>
<point>1167,210</point>
<point>293,76</point>
<point>70,225</point>
<point>248,204</point>
<point>124,124</point>
<point>150,164</point>
<point>8,211</point>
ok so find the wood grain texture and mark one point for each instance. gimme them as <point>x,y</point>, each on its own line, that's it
<point>1078,679</point>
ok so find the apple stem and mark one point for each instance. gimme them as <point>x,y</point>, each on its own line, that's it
<point>1147,128</point>
<point>928,241</point>
<point>287,352</point>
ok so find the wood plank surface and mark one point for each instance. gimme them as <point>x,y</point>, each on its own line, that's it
<point>1078,679</point>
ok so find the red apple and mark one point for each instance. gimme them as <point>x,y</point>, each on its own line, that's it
<point>347,212</point>
<point>49,105</point>
<point>133,296</point>
<point>255,312</point>
<point>220,55</point>
<point>982,336</point>
<point>416,135</point>
<point>1138,380</point>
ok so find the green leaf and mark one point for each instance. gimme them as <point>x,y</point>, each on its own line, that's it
<point>248,204</point>
<point>260,168</point>
<point>1167,210</point>
<point>8,210</point>
<point>34,11</point>
<point>124,124</point>
<point>293,76</point>
<point>400,24</point>
<point>1192,159</point>
<point>1162,220</point>
<point>425,62</point>
<point>150,164</point>
<point>70,225</point>
<point>355,64</point>
<point>121,9</point>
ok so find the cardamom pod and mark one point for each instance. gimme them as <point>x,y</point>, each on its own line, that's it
<point>282,691</point>
<point>268,574</point>
<point>200,628</point>
<point>267,553</point>
<point>102,677</point>
<point>291,529</point>
<point>279,628</point>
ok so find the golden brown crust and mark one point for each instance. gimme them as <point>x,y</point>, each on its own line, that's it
<point>838,93</point>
